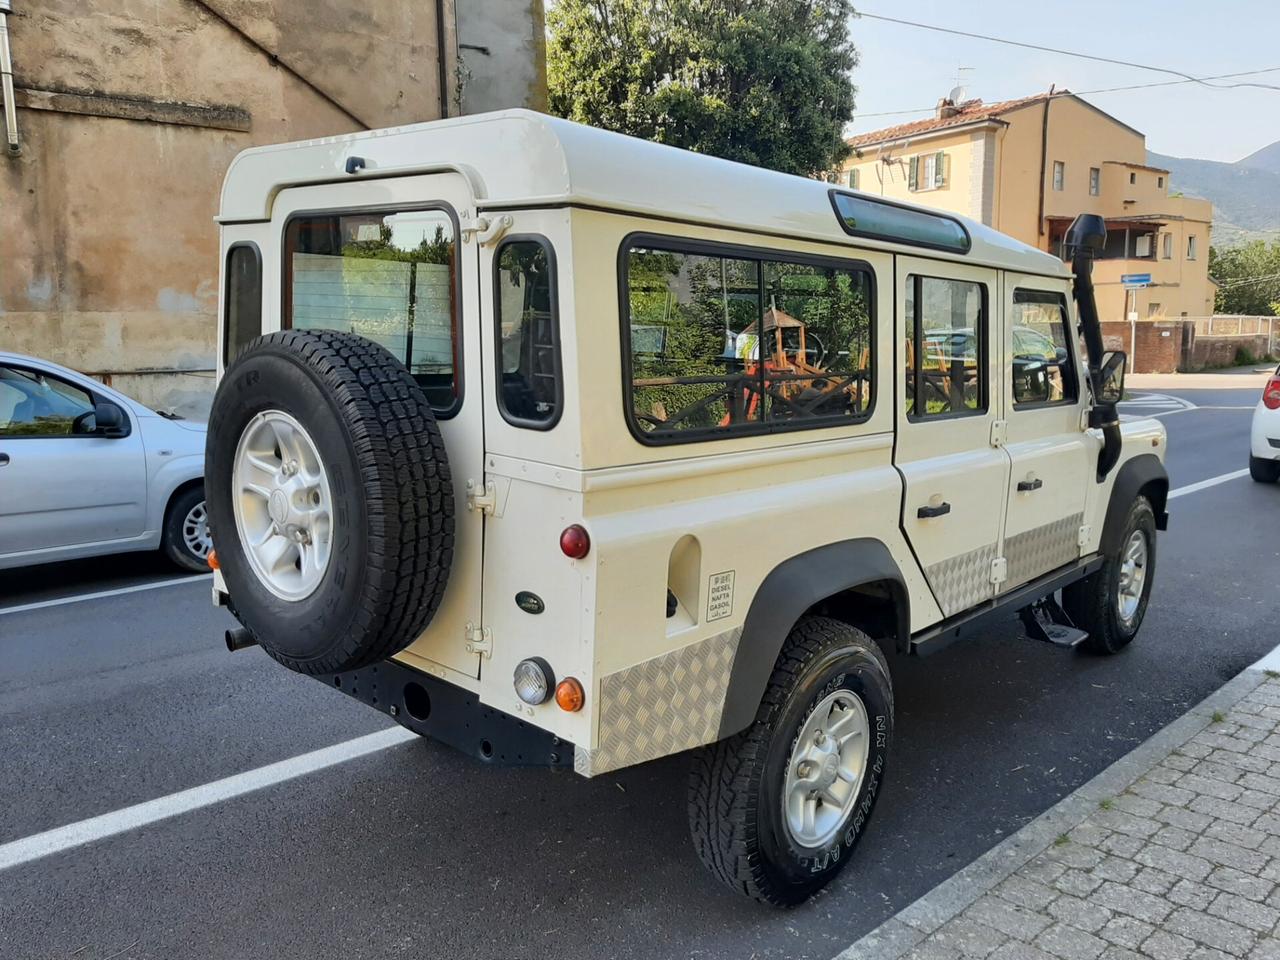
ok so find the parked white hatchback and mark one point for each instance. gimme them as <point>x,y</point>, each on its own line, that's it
<point>85,470</point>
<point>1264,439</point>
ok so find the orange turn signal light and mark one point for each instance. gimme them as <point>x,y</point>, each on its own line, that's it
<point>212,560</point>
<point>569,695</point>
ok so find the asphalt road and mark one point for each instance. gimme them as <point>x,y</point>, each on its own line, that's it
<point>418,851</point>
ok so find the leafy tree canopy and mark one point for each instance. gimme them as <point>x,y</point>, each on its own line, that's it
<point>764,82</point>
<point>1248,278</point>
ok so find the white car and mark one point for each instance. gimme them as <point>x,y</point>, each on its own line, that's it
<point>1264,438</point>
<point>85,470</point>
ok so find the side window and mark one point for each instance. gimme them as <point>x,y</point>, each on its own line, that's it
<point>719,343</point>
<point>1041,363</point>
<point>391,277</point>
<point>946,347</point>
<point>243,298</point>
<point>33,404</point>
<point>528,334</point>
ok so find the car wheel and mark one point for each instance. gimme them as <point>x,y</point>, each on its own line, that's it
<point>776,810</point>
<point>186,531</point>
<point>330,499</point>
<point>1111,603</point>
<point>1264,471</point>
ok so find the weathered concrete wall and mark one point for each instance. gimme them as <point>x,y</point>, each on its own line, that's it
<point>502,47</point>
<point>108,250</point>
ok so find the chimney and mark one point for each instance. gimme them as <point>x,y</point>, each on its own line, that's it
<point>946,108</point>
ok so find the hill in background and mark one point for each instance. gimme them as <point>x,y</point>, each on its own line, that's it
<point>1245,194</point>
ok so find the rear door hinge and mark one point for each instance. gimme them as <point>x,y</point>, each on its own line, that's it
<point>482,496</point>
<point>479,640</point>
<point>999,432</point>
<point>485,230</point>
<point>999,570</point>
<point>1082,536</point>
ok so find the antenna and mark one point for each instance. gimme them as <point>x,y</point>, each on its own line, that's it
<point>958,92</point>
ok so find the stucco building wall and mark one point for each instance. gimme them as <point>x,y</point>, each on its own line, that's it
<point>129,114</point>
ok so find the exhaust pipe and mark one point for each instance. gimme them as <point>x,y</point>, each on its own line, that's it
<point>240,638</point>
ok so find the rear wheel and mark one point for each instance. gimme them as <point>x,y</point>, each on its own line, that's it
<point>1111,603</point>
<point>185,540</point>
<point>1264,471</point>
<point>776,810</point>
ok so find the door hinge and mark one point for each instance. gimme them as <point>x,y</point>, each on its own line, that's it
<point>1082,535</point>
<point>999,570</point>
<point>482,497</point>
<point>479,640</point>
<point>485,230</point>
<point>999,432</point>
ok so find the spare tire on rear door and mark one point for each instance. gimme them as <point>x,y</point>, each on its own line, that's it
<point>329,497</point>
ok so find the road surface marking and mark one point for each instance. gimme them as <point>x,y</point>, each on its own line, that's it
<point>1206,484</point>
<point>73,835</point>
<point>119,591</point>
<point>1158,401</point>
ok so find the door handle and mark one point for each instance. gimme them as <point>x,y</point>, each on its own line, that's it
<point>4,459</point>
<point>1026,486</point>
<point>927,513</point>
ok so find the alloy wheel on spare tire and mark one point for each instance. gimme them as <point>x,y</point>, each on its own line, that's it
<point>329,499</point>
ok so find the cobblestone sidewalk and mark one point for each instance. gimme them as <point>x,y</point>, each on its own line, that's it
<point>1176,857</point>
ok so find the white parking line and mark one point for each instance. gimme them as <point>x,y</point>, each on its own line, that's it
<point>18,852</point>
<point>1211,482</point>
<point>76,598</point>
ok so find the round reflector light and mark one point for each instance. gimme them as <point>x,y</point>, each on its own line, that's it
<point>534,681</point>
<point>569,695</point>
<point>574,542</point>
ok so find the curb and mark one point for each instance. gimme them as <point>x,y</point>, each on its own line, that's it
<point>901,933</point>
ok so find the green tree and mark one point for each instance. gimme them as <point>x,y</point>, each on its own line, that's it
<point>764,82</point>
<point>1248,278</point>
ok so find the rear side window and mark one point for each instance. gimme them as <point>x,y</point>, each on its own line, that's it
<point>388,276</point>
<point>1041,364</point>
<point>530,393</point>
<point>726,341</point>
<point>243,299</point>
<point>946,347</point>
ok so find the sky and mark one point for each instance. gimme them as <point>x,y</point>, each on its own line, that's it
<point>906,68</point>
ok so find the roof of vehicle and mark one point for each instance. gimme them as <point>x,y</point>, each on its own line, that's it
<point>519,158</point>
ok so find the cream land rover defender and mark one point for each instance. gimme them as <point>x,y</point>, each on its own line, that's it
<point>570,449</point>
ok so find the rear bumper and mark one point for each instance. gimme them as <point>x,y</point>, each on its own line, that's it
<point>1264,435</point>
<point>433,708</point>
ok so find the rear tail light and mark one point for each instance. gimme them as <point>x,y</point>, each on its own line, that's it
<point>1271,394</point>
<point>569,695</point>
<point>574,542</point>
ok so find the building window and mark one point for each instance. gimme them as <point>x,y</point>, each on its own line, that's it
<point>721,342</point>
<point>1154,310</point>
<point>390,277</point>
<point>1160,182</point>
<point>1143,247</point>
<point>927,171</point>
<point>853,179</point>
<point>1095,181</point>
<point>946,347</point>
<point>1059,174</point>
<point>1167,252</point>
<point>1133,177</point>
<point>1191,247</point>
<point>1042,369</point>
<point>243,299</point>
<point>528,333</point>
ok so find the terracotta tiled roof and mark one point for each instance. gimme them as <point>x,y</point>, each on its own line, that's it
<point>968,111</point>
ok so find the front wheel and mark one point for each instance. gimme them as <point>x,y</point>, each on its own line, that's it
<point>1111,603</point>
<point>776,810</point>
<point>186,540</point>
<point>1264,471</point>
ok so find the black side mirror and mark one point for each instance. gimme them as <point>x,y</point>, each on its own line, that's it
<point>1087,234</point>
<point>1060,355</point>
<point>1110,385</point>
<point>106,419</point>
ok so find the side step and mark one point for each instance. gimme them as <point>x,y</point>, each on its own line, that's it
<point>1046,620</point>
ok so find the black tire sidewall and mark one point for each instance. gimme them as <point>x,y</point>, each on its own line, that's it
<point>1141,517</point>
<point>847,666</point>
<point>175,542</point>
<point>272,379</point>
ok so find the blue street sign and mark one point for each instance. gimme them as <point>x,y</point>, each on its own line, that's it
<point>1135,279</point>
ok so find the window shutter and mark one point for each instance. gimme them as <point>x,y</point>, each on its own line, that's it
<point>853,179</point>
<point>913,174</point>
<point>939,169</point>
